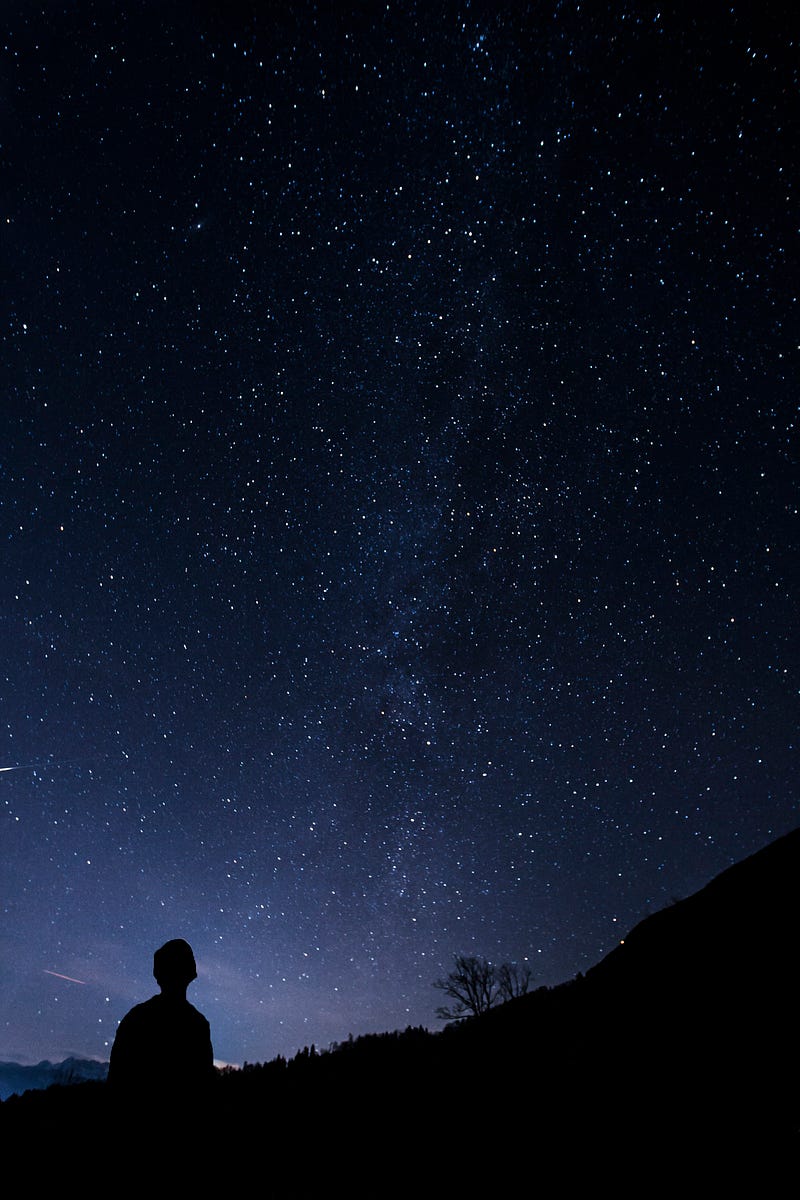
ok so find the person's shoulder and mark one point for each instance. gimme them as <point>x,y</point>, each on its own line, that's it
<point>140,1012</point>
<point>196,1015</point>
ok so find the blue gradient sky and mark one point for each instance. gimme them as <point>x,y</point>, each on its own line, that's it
<point>397,496</point>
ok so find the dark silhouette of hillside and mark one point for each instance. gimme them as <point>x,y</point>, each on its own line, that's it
<point>685,1034</point>
<point>678,1052</point>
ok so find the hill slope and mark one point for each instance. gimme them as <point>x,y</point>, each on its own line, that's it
<point>686,1032</point>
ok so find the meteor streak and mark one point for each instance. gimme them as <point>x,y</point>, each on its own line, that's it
<point>68,978</point>
<point>61,762</point>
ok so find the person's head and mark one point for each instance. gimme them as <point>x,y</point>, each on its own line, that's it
<point>174,966</point>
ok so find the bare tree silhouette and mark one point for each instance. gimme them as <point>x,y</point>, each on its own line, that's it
<point>475,985</point>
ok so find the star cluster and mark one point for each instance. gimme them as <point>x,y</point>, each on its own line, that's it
<point>398,495</point>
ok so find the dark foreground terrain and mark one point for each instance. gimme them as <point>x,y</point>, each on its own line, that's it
<point>673,1062</point>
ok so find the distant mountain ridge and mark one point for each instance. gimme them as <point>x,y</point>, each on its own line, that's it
<point>16,1078</point>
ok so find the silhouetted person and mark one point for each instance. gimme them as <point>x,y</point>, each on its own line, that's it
<point>162,1063</point>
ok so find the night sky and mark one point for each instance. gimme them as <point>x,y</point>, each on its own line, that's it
<point>397,495</point>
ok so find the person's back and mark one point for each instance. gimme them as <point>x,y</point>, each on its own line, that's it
<point>162,1058</point>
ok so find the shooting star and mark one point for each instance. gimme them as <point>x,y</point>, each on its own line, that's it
<point>59,762</point>
<point>34,766</point>
<point>68,978</point>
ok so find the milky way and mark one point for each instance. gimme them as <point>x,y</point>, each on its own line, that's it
<point>398,499</point>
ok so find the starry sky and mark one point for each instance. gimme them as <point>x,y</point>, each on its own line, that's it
<point>397,495</point>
